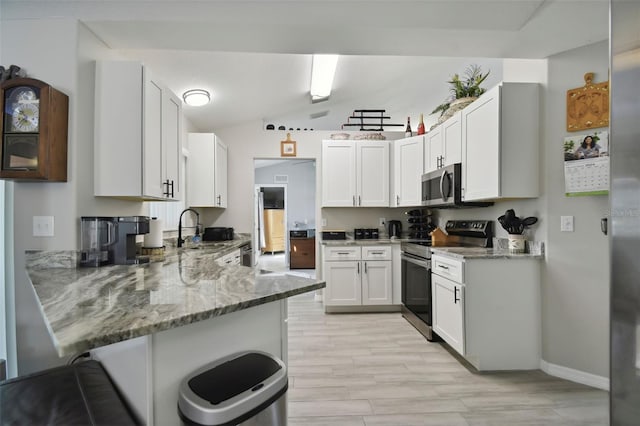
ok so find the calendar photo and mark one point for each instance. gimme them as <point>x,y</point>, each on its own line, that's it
<point>586,164</point>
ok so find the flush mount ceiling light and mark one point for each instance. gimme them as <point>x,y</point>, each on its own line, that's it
<point>196,97</point>
<point>323,68</point>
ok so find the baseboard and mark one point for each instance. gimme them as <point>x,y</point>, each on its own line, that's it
<point>575,375</point>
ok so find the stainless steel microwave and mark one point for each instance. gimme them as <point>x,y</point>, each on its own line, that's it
<point>442,188</point>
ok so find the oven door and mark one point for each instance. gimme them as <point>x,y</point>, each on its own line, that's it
<point>416,286</point>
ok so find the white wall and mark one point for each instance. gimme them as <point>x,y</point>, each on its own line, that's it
<point>575,288</point>
<point>59,52</point>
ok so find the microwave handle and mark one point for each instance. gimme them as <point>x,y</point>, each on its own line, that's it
<point>442,194</point>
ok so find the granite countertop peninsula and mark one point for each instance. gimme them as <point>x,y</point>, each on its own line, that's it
<point>86,308</point>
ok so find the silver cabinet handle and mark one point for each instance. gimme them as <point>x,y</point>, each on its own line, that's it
<point>343,252</point>
<point>455,295</point>
<point>358,268</point>
<point>365,268</point>
<point>359,201</point>
<point>443,267</point>
<point>397,200</point>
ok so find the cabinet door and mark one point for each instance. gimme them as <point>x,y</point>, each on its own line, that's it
<point>408,167</point>
<point>372,179</point>
<point>152,138</point>
<point>433,149</point>
<point>481,147</point>
<point>221,158</point>
<point>448,311</point>
<point>376,283</point>
<point>171,143</point>
<point>452,140</point>
<point>338,174</point>
<point>343,283</point>
<point>201,170</point>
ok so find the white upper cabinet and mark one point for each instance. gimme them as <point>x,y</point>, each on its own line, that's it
<point>443,144</point>
<point>355,173</point>
<point>500,144</point>
<point>137,134</point>
<point>207,171</point>
<point>408,159</point>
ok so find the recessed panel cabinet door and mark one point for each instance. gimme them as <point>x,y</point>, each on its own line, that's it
<point>343,283</point>
<point>152,137</point>
<point>408,167</point>
<point>171,144</point>
<point>221,156</point>
<point>481,147</point>
<point>372,174</point>
<point>376,283</point>
<point>338,174</point>
<point>448,311</point>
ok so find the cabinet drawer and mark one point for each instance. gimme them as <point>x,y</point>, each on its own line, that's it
<point>341,253</point>
<point>449,268</point>
<point>376,253</point>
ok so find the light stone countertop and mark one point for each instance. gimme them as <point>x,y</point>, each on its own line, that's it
<point>366,242</point>
<point>482,253</point>
<point>85,308</point>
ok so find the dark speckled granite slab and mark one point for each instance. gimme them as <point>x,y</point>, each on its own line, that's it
<point>90,307</point>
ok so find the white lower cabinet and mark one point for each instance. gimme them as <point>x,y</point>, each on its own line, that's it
<point>448,311</point>
<point>357,276</point>
<point>488,310</point>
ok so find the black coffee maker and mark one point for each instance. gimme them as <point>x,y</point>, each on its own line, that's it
<point>395,229</point>
<point>124,249</point>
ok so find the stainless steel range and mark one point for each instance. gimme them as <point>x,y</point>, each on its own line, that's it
<point>416,269</point>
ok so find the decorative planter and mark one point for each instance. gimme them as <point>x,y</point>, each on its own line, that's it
<point>516,243</point>
<point>454,107</point>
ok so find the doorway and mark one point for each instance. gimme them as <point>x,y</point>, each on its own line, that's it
<point>284,201</point>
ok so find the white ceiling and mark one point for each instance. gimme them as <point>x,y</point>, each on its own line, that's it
<point>254,56</point>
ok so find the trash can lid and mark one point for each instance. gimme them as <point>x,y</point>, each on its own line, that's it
<point>233,377</point>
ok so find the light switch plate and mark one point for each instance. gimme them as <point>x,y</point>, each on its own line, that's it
<point>382,221</point>
<point>566,223</point>
<point>324,222</point>
<point>43,226</point>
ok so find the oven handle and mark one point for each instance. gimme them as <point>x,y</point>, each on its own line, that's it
<point>426,264</point>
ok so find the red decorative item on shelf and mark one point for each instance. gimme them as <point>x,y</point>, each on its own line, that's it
<point>421,125</point>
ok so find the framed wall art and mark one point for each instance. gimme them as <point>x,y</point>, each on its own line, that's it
<point>288,147</point>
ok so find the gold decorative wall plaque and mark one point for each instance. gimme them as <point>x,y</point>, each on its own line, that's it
<point>588,106</point>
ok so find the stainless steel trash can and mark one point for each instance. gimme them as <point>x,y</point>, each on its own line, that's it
<point>245,388</point>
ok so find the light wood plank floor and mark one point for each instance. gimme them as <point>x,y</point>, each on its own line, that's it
<point>376,369</point>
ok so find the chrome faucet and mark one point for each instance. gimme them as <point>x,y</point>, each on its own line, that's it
<point>180,240</point>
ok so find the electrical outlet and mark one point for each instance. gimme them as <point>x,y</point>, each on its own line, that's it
<point>324,222</point>
<point>566,223</point>
<point>43,226</point>
<point>382,221</point>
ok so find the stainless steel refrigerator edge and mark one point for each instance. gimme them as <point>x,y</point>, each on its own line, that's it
<point>625,212</point>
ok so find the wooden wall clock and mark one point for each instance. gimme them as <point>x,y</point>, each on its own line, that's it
<point>34,131</point>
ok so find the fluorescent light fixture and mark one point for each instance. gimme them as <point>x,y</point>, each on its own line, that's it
<point>323,68</point>
<point>196,97</point>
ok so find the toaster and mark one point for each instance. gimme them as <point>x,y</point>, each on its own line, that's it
<point>217,234</point>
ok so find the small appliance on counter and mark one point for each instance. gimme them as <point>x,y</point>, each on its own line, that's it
<point>98,236</point>
<point>124,249</point>
<point>334,235</point>
<point>395,229</point>
<point>366,234</point>
<point>217,234</point>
